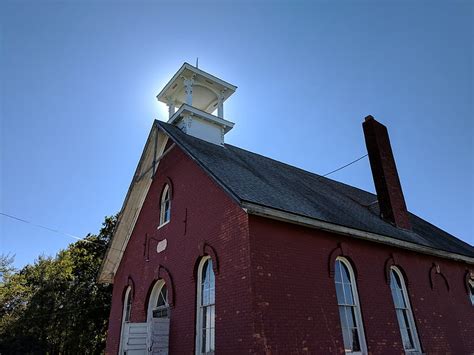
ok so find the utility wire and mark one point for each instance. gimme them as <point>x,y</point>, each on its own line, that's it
<point>345,166</point>
<point>121,250</point>
<point>56,231</point>
<point>40,226</point>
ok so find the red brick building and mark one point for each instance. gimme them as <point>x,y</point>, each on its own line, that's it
<point>220,250</point>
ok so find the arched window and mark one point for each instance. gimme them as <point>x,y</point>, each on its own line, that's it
<point>406,322</point>
<point>127,310</point>
<point>128,305</point>
<point>158,306</point>
<point>165,206</point>
<point>206,313</point>
<point>349,308</point>
<point>470,286</point>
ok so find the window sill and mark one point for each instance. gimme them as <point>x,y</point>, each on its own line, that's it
<point>162,225</point>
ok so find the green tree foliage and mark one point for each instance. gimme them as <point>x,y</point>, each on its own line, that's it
<point>55,306</point>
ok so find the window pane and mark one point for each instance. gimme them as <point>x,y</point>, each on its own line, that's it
<point>212,340</point>
<point>401,319</point>
<point>205,271</point>
<point>342,315</point>
<point>349,329</point>
<point>128,309</point>
<point>346,278</point>
<point>203,328</point>
<point>213,316</point>
<point>396,301</point>
<point>409,342</point>
<point>471,290</point>
<point>160,313</point>
<point>203,341</point>
<point>397,280</point>
<point>351,322</point>
<point>205,296</point>
<point>347,339</point>
<point>212,296</point>
<point>406,339</point>
<point>162,297</point>
<point>208,338</point>
<point>348,294</point>
<point>397,298</point>
<point>337,272</point>
<point>340,293</point>
<point>209,317</point>
<point>355,340</point>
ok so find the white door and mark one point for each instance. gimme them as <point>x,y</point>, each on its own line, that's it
<point>135,338</point>
<point>159,336</point>
<point>158,320</point>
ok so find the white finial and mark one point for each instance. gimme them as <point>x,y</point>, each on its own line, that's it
<point>197,62</point>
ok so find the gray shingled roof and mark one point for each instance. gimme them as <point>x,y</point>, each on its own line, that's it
<point>260,180</point>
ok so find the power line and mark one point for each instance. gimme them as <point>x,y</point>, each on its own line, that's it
<point>121,250</point>
<point>55,231</point>
<point>40,226</point>
<point>345,166</point>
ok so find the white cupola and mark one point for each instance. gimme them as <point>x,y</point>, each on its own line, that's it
<point>197,95</point>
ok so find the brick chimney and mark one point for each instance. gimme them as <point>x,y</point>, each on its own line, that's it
<point>384,171</point>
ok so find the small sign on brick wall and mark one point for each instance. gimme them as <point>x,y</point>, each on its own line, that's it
<point>162,244</point>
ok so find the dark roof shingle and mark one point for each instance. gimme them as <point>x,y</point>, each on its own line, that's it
<point>257,179</point>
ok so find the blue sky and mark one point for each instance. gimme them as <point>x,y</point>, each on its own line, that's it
<point>78,81</point>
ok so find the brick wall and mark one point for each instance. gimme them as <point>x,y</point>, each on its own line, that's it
<point>274,292</point>
<point>295,301</point>
<point>212,218</point>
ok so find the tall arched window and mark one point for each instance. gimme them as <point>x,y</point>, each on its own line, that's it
<point>165,206</point>
<point>470,286</point>
<point>206,313</point>
<point>406,322</point>
<point>349,308</point>
<point>127,310</point>
<point>128,305</point>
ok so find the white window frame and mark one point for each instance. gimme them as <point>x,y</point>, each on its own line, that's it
<point>199,308</point>
<point>470,286</point>
<point>165,198</point>
<point>357,312</point>
<point>411,320</point>
<point>155,293</point>
<point>128,295</point>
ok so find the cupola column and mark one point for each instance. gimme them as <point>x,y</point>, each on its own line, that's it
<point>171,107</point>
<point>220,105</point>
<point>188,89</point>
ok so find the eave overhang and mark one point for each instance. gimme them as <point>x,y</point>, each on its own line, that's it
<point>275,214</point>
<point>152,153</point>
<point>186,110</point>
<point>141,181</point>
<point>187,70</point>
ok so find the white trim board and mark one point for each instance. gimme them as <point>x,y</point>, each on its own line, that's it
<point>133,203</point>
<point>271,213</point>
<point>186,109</point>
